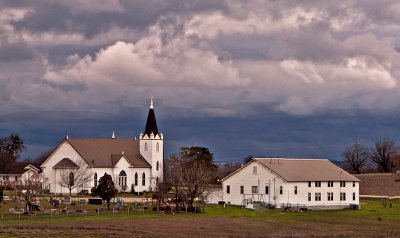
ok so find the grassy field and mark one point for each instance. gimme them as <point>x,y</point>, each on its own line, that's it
<point>229,221</point>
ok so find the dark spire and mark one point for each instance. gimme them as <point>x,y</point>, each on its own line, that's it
<point>151,124</point>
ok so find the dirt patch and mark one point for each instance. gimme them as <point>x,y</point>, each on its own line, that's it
<point>176,226</point>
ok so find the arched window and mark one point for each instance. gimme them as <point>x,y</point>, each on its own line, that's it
<point>143,179</point>
<point>145,147</point>
<point>157,166</point>
<point>122,178</point>
<point>157,147</point>
<point>71,179</point>
<point>136,179</point>
<point>95,180</point>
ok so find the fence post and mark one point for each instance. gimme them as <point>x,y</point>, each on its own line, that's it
<point>113,211</point>
<point>128,210</point>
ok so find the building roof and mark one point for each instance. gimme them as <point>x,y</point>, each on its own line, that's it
<point>65,164</point>
<point>19,168</point>
<point>151,124</point>
<point>298,170</point>
<point>102,152</point>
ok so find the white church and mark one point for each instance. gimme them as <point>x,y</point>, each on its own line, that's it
<point>128,161</point>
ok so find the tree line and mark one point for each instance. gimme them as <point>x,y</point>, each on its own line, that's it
<point>381,155</point>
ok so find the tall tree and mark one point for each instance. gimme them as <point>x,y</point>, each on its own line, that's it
<point>198,171</point>
<point>356,156</point>
<point>10,147</point>
<point>382,152</point>
<point>75,176</point>
<point>106,189</point>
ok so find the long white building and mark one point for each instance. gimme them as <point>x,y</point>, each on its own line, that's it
<point>128,161</point>
<point>311,183</point>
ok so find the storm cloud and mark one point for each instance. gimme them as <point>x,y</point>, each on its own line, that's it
<point>265,78</point>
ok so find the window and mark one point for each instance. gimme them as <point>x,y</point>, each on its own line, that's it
<point>136,179</point>
<point>330,184</point>
<point>309,184</point>
<point>309,196</point>
<point>342,183</point>
<point>228,189</point>
<point>254,189</point>
<point>354,196</point>
<point>295,189</point>
<point>6,177</point>
<point>145,147</point>
<point>266,190</point>
<point>16,178</point>
<point>71,179</point>
<point>157,166</point>
<point>241,189</point>
<point>280,190</point>
<point>330,196</point>
<point>354,184</point>
<point>122,178</point>
<point>157,147</point>
<point>317,196</point>
<point>342,196</point>
<point>254,169</point>
<point>143,179</point>
<point>317,183</point>
<point>95,180</point>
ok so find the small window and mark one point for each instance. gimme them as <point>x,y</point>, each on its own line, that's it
<point>95,180</point>
<point>266,190</point>
<point>309,184</point>
<point>295,189</point>
<point>309,196</point>
<point>317,196</point>
<point>342,183</point>
<point>71,179</point>
<point>16,178</point>
<point>157,166</point>
<point>330,196</point>
<point>342,196</point>
<point>317,183</point>
<point>280,190</point>
<point>254,189</point>
<point>157,147</point>
<point>228,189</point>
<point>354,196</point>
<point>122,178</point>
<point>330,184</point>
<point>254,169</point>
<point>145,147</point>
<point>136,179</point>
<point>143,179</point>
<point>241,189</point>
<point>354,184</point>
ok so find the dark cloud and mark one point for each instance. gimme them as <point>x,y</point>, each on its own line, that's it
<point>16,52</point>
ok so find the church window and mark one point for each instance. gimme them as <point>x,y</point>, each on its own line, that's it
<point>145,147</point>
<point>71,179</point>
<point>143,179</point>
<point>122,178</point>
<point>157,166</point>
<point>95,180</point>
<point>254,189</point>
<point>228,189</point>
<point>157,147</point>
<point>254,169</point>
<point>136,179</point>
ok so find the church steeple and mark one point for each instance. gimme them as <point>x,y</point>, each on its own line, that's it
<point>151,124</point>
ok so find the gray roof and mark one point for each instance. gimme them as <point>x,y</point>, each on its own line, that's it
<point>300,170</point>
<point>107,152</point>
<point>65,164</point>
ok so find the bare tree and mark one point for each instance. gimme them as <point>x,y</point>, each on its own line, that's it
<point>28,189</point>
<point>198,172</point>
<point>382,153</point>
<point>75,176</point>
<point>356,156</point>
<point>173,177</point>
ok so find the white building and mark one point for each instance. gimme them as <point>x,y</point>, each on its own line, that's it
<point>20,173</point>
<point>128,161</point>
<point>312,183</point>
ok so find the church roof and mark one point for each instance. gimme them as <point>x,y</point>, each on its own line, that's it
<point>107,152</point>
<point>65,164</point>
<point>151,124</point>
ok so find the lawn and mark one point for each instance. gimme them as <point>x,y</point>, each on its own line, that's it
<point>229,221</point>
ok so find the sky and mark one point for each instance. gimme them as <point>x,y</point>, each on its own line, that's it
<point>299,79</point>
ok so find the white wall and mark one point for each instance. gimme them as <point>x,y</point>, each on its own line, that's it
<point>264,177</point>
<point>152,155</point>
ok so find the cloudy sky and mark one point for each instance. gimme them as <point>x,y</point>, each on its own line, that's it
<point>263,78</point>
